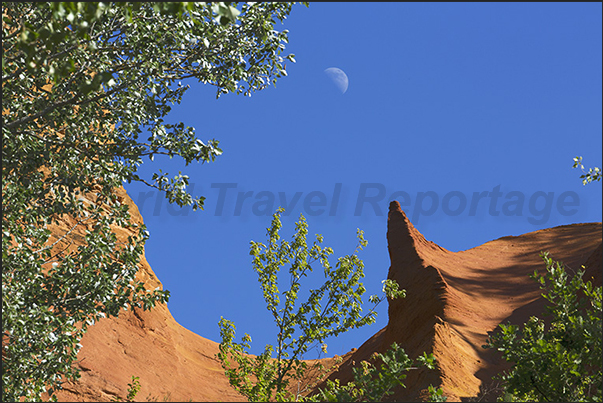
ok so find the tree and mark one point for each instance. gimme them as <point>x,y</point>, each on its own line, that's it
<point>559,362</point>
<point>333,308</point>
<point>85,90</point>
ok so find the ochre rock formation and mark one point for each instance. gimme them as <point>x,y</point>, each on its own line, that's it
<point>173,363</point>
<point>453,300</point>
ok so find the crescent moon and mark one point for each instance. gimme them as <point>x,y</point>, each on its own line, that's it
<point>339,78</point>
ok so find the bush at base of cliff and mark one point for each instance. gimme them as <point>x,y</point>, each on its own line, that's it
<point>563,361</point>
<point>374,384</point>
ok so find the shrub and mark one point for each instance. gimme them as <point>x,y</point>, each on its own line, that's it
<point>561,361</point>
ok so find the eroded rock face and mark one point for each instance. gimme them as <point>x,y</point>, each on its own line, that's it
<point>172,362</point>
<point>453,300</point>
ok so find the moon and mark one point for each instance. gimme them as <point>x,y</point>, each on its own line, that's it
<point>339,78</point>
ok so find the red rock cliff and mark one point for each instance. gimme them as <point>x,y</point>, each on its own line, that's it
<point>173,363</point>
<point>455,298</point>
<point>453,301</point>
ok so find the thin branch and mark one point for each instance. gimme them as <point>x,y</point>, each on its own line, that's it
<point>538,388</point>
<point>59,252</point>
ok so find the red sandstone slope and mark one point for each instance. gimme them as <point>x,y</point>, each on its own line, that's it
<point>454,299</point>
<point>173,363</point>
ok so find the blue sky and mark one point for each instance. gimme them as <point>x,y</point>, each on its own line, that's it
<point>469,114</point>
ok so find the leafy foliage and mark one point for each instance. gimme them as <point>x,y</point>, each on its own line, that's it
<point>85,90</point>
<point>436,395</point>
<point>561,362</point>
<point>331,309</point>
<point>133,389</point>
<point>593,174</point>
<point>372,384</point>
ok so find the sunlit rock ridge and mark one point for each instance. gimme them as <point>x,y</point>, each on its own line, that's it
<point>453,300</point>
